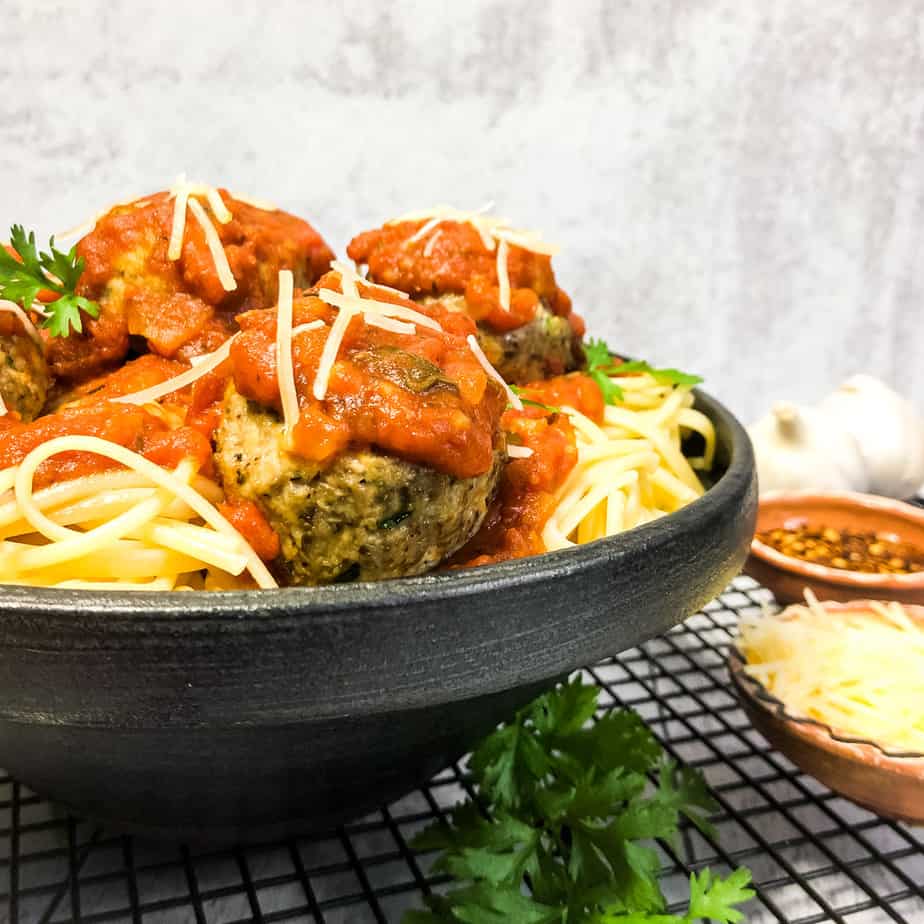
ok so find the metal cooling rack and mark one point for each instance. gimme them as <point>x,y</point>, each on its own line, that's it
<point>815,857</point>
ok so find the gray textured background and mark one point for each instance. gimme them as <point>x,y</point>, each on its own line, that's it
<point>737,184</point>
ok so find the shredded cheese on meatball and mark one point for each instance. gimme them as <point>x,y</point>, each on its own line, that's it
<point>349,303</point>
<point>184,195</point>
<point>496,234</point>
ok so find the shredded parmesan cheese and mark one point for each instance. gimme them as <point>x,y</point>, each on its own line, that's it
<point>389,324</point>
<point>491,229</point>
<point>284,369</point>
<point>304,328</point>
<point>28,326</point>
<point>857,671</point>
<point>518,452</point>
<point>512,398</point>
<point>432,242</point>
<point>202,366</point>
<point>503,278</point>
<point>359,305</point>
<point>216,248</point>
<point>178,230</point>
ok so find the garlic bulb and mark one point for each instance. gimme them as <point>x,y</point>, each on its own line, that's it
<point>799,448</point>
<point>888,432</point>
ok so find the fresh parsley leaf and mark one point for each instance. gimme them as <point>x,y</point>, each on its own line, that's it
<point>602,369</point>
<point>715,898</point>
<point>22,280</point>
<point>599,362</point>
<point>664,376</point>
<point>561,832</point>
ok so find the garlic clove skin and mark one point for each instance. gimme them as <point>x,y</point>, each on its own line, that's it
<point>887,429</point>
<point>798,448</point>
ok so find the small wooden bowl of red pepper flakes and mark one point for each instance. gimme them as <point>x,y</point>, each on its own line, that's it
<point>842,545</point>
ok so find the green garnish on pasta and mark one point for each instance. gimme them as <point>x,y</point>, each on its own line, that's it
<point>602,369</point>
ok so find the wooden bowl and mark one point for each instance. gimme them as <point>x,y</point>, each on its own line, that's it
<point>788,577</point>
<point>889,783</point>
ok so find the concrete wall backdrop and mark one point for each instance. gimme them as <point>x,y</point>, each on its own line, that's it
<point>737,184</point>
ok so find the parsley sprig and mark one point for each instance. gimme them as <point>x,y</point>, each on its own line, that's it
<point>570,809</point>
<point>601,368</point>
<point>56,271</point>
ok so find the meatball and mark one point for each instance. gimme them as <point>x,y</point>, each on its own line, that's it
<point>179,308</point>
<point>533,334</point>
<point>366,516</point>
<point>544,347</point>
<point>23,375</point>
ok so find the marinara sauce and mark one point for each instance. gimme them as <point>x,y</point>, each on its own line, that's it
<point>179,307</point>
<point>423,397</point>
<point>453,258</point>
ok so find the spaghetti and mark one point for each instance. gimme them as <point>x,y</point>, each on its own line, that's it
<point>631,468</point>
<point>145,528</point>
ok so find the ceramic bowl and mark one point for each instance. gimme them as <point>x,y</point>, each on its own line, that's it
<point>250,715</point>
<point>889,783</point>
<point>788,577</point>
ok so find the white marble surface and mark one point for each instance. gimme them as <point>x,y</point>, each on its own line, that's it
<point>737,185</point>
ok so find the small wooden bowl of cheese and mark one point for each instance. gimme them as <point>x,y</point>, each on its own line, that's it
<point>839,689</point>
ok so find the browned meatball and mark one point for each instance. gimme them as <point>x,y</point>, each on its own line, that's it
<point>23,375</point>
<point>367,516</point>
<point>179,308</point>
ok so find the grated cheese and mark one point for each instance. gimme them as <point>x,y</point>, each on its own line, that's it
<point>389,324</point>
<point>349,303</point>
<point>285,372</point>
<point>178,229</point>
<point>304,328</point>
<point>493,230</point>
<point>432,242</point>
<point>202,366</point>
<point>28,326</point>
<point>512,397</point>
<point>216,248</point>
<point>858,672</point>
<point>518,452</point>
<point>360,305</point>
<point>503,278</point>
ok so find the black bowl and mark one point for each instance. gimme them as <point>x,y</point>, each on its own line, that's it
<point>246,715</point>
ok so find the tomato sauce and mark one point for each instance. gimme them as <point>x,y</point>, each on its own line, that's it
<point>247,518</point>
<point>528,487</point>
<point>179,307</point>
<point>575,390</point>
<point>453,258</point>
<point>423,397</point>
<point>124,424</point>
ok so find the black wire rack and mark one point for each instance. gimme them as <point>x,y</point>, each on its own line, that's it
<point>815,856</point>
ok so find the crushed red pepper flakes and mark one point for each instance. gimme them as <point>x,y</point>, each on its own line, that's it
<point>845,549</point>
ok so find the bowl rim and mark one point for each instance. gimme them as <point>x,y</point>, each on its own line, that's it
<point>755,690</point>
<point>839,576</point>
<point>334,601</point>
